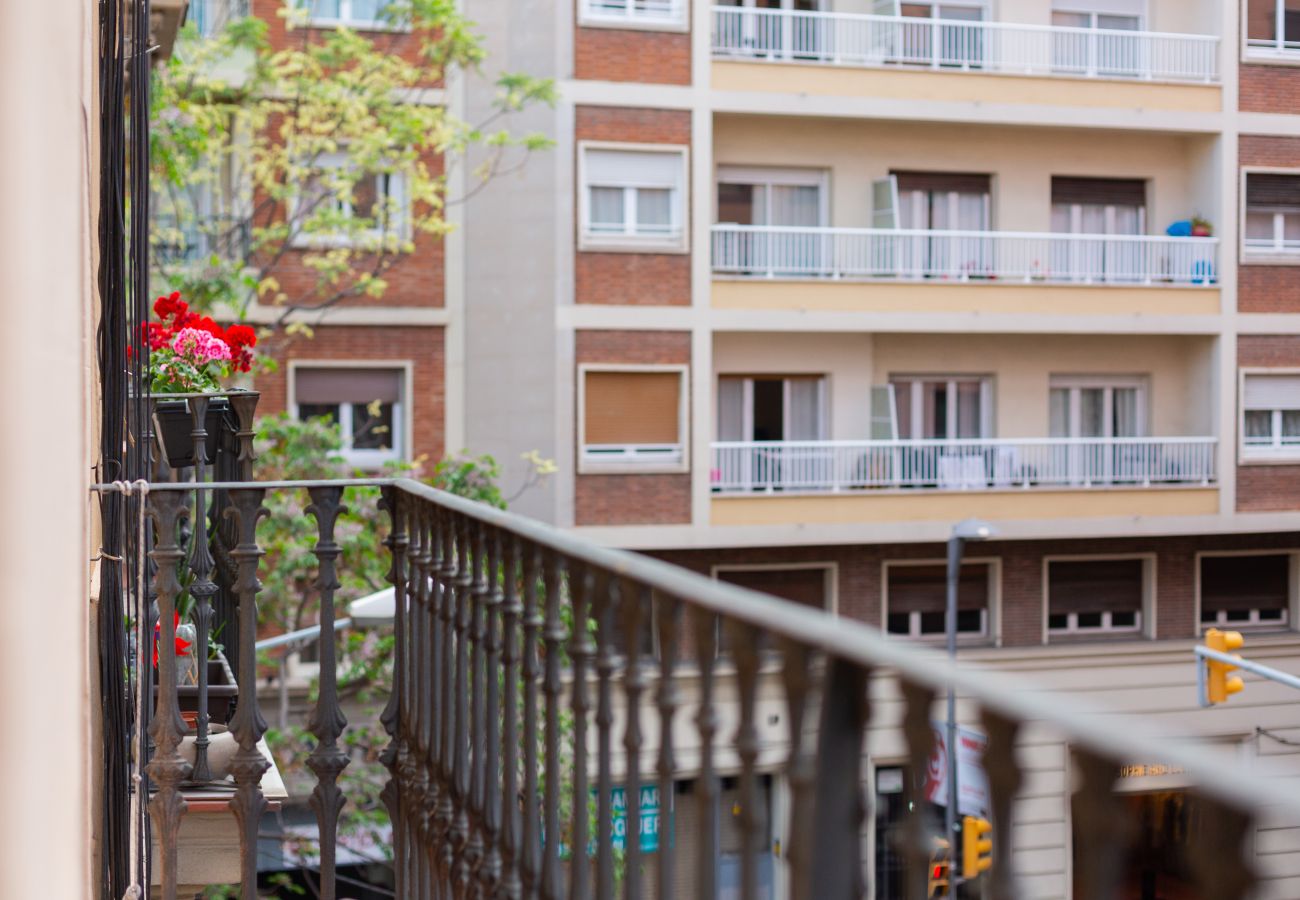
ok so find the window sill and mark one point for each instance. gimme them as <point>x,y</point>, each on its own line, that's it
<point>359,26</point>
<point>1260,56</point>
<point>1095,637</point>
<point>616,23</point>
<point>607,243</point>
<point>631,468</point>
<point>1269,458</point>
<point>1269,258</point>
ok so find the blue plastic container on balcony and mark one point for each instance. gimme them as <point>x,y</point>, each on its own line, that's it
<point>1181,228</point>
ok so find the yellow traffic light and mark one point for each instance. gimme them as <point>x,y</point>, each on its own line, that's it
<point>976,846</point>
<point>1220,685</point>
<point>938,881</point>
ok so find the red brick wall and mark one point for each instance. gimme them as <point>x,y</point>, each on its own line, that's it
<point>1272,89</point>
<point>422,346</point>
<point>1282,350</point>
<point>1023,588</point>
<point>612,54</point>
<point>631,278</point>
<point>396,43</point>
<point>652,499</point>
<point>1263,488</point>
<point>1268,289</point>
<point>1266,150</point>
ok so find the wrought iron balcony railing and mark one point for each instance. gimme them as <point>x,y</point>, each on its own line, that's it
<point>536,673</point>
<point>772,251</point>
<point>847,39</point>
<point>962,465</point>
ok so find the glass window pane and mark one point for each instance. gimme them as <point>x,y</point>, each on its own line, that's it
<point>969,417</point>
<point>325,9</point>
<point>1291,426</point>
<point>606,209</point>
<point>1089,619</point>
<point>970,621</point>
<point>899,623</point>
<point>903,405</point>
<point>1209,615</point>
<point>315,410</point>
<point>1071,20</point>
<point>736,204</point>
<point>1092,421</point>
<point>1118,23</point>
<point>372,426</point>
<point>1058,621</point>
<point>365,10</point>
<point>1291,22</point>
<point>935,410</point>
<point>1259,225</point>
<point>797,206</point>
<point>1259,426</point>
<point>1126,412</point>
<point>1261,20</point>
<point>933,623</point>
<point>1271,615</point>
<point>654,210</point>
<point>1125,619</point>
<point>1059,412</point>
<point>1291,226</point>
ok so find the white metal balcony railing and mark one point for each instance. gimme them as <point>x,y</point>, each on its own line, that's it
<point>958,465</point>
<point>847,39</point>
<point>761,251</point>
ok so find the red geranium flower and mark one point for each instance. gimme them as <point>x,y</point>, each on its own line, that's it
<point>182,646</point>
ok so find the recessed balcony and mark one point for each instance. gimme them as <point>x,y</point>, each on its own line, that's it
<point>758,251</point>
<point>846,39</point>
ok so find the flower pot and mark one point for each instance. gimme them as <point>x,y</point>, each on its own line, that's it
<point>1202,231</point>
<point>174,424</point>
<point>223,693</point>
<point>222,748</point>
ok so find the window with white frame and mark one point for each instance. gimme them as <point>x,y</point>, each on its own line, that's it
<point>634,12</point>
<point>916,600</point>
<point>1095,596</point>
<point>633,198</point>
<point>355,13</point>
<point>632,416</point>
<point>1246,591</point>
<point>943,407</point>
<point>1272,26</point>
<point>334,196</point>
<point>1270,416</point>
<point>1272,214</point>
<point>365,403</point>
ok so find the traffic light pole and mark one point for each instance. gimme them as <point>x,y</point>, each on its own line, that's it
<point>1245,665</point>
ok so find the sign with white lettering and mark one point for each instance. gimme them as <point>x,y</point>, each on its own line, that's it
<point>972,783</point>
<point>650,817</point>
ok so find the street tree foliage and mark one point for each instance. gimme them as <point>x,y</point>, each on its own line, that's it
<point>326,157</point>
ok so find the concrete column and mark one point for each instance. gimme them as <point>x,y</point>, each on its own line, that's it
<point>47,169</point>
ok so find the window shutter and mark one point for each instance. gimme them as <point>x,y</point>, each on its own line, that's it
<point>1099,191</point>
<point>345,385</point>
<point>1108,7</point>
<point>634,168</point>
<point>1272,392</point>
<point>1265,191</point>
<point>1245,582</point>
<point>807,587</point>
<point>632,407</point>
<point>961,182</point>
<point>925,588</point>
<point>1113,585</point>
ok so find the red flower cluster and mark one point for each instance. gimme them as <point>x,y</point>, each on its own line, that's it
<point>175,315</point>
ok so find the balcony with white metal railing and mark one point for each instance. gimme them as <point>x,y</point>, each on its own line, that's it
<point>855,40</point>
<point>777,252</point>
<point>963,465</point>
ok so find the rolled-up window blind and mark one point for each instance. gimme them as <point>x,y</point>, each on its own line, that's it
<point>960,182</point>
<point>343,385</point>
<point>1268,191</point>
<point>1237,583</point>
<point>632,407</point>
<point>806,587</point>
<point>925,588</point>
<point>1099,191</point>
<point>1113,585</point>
<point>1272,392</point>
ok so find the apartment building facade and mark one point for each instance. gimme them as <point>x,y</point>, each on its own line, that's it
<point>805,282</point>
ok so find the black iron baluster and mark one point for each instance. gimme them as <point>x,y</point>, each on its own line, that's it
<point>446,811</point>
<point>667,614</point>
<point>1102,827</point>
<point>1004,775</point>
<point>744,640</point>
<point>394,714</point>
<point>474,849</point>
<point>202,587</point>
<point>167,768</point>
<point>530,870</point>
<point>413,766</point>
<point>427,697</point>
<point>489,873</point>
<point>510,887</point>
<point>633,599</point>
<point>706,721</point>
<point>327,722</point>
<point>801,766</point>
<point>839,809</point>
<point>581,584</point>
<point>603,612</point>
<point>248,726</point>
<point>919,734</point>
<point>553,636</point>
<point>244,403</point>
<point>461,783</point>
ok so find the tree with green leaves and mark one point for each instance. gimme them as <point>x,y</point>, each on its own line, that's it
<point>299,175</point>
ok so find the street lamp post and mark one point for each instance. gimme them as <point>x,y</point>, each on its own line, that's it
<point>962,532</point>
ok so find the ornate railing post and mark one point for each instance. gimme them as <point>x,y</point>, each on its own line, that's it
<point>248,726</point>
<point>327,760</point>
<point>839,809</point>
<point>202,588</point>
<point>167,768</point>
<point>393,503</point>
